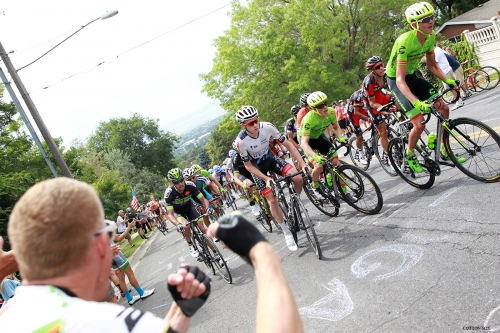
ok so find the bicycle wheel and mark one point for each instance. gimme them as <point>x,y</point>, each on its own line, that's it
<point>397,156</point>
<point>162,228</point>
<point>353,153</point>
<point>448,97</point>
<point>357,184</point>
<point>221,267</point>
<point>487,77</point>
<point>263,219</point>
<point>379,151</point>
<point>479,144</point>
<point>306,224</point>
<point>230,202</point>
<point>204,254</point>
<point>280,195</point>
<point>329,206</point>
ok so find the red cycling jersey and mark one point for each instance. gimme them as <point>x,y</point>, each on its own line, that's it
<point>372,89</point>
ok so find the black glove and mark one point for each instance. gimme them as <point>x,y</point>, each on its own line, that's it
<point>238,234</point>
<point>190,306</point>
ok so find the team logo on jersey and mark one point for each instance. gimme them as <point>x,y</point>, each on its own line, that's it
<point>187,193</point>
<point>402,49</point>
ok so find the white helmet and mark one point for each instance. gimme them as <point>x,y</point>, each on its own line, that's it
<point>246,112</point>
<point>187,173</point>
<point>418,10</point>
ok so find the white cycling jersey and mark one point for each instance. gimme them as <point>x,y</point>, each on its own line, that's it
<point>52,309</point>
<point>258,148</point>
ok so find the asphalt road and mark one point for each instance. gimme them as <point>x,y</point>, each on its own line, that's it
<point>428,262</point>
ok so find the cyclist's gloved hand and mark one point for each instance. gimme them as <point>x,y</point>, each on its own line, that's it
<point>210,210</point>
<point>450,82</point>
<point>180,227</point>
<point>191,305</point>
<point>222,190</point>
<point>301,151</point>
<point>318,158</point>
<point>238,234</point>
<point>422,106</point>
<point>342,140</point>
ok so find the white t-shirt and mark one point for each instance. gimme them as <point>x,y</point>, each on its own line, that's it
<point>441,60</point>
<point>49,309</point>
<point>258,148</point>
<point>121,224</point>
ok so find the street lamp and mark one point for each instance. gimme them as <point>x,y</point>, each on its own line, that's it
<point>29,102</point>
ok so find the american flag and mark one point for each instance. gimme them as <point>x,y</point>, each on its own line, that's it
<point>134,203</point>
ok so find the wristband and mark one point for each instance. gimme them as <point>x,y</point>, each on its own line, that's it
<point>190,306</point>
<point>238,234</point>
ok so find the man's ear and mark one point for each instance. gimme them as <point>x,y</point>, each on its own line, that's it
<point>102,245</point>
<point>242,125</point>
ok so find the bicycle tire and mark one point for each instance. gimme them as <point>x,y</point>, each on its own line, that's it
<point>263,219</point>
<point>204,253</point>
<point>291,226</point>
<point>329,206</point>
<point>306,225</point>
<point>480,79</point>
<point>223,270</point>
<point>161,228</point>
<point>492,76</point>
<point>361,186</point>
<point>231,202</point>
<point>391,134</point>
<point>280,195</point>
<point>483,163</point>
<point>397,156</point>
<point>352,153</point>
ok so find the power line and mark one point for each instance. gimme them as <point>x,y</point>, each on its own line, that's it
<point>135,47</point>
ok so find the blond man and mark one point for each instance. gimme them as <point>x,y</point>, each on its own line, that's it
<point>65,258</point>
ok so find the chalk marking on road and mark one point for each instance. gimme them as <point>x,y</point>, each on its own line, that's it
<point>448,193</point>
<point>160,306</point>
<point>168,266</point>
<point>334,306</point>
<point>411,256</point>
<point>181,258</point>
<point>376,218</point>
<point>487,322</point>
<point>162,261</point>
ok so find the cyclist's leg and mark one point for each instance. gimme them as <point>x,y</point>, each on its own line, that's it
<point>282,167</point>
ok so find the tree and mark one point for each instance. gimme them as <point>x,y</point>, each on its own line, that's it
<point>140,138</point>
<point>453,8</point>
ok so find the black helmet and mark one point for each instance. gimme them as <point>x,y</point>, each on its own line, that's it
<point>303,99</point>
<point>372,62</point>
<point>295,109</point>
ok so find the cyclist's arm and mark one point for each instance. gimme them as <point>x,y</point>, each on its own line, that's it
<point>204,201</point>
<point>292,141</point>
<point>255,171</point>
<point>212,178</point>
<point>237,180</point>
<point>305,146</point>
<point>121,237</point>
<point>374,105</point>
<point>401,83</point>
<point>171,216</point>
<point>358,114</point>
<point>336,130</point>
<point>294,152</point>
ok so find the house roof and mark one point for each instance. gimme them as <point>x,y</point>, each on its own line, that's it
<point>479,15</point>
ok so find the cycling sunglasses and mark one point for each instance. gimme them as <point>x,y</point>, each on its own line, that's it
<point>253,122</point>
<point>426,19</point>
<point>177,182</point>
<point>322,105</point>
<point>379,66</point>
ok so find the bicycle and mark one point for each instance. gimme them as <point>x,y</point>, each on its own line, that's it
<point>462,137</point>
<point>265,217</point>
<point>296,214</point>
<point>348,182</point>
<point>208,251</point>
<point>162,226</point>
<point>371,146</point>
<point>230,201</point>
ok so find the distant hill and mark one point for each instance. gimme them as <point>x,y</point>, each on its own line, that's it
<point>191,120</point>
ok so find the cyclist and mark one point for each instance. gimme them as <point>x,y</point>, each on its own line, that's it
<point>220,176</point>
<point>357,112</point>
<point>201,183</point>
<point>411,90</point>
<point>302,112</point>
<point>218,189</point>
<point>154,208</point>
<point>373,85</point>
<point>291,126</point>
<point>342,119</point>
<point>259,159</point>
<point>312,130</point>
<point>178,201</point>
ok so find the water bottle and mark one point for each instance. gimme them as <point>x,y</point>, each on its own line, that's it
<point>329,179</point>
<point>431,140</point>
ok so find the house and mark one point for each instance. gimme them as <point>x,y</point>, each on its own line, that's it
<point>472,20</point>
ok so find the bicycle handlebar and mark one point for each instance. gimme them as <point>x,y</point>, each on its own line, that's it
<point>436,98</point>
<point>282,179</point>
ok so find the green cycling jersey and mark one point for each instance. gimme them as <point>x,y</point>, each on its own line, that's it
<point>313,126</point>
<point>408,51</point>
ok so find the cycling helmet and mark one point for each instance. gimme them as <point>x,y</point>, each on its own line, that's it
<point>128,210</point>
<point>148,204</point>
<point>211,171</point>
<point>316,98</point>
<point>303,99</point>
<point>418,10</point>
<point>334,103</point>
<point>340,101</point>
<point>217,169</point>
<point>187,173</point>
<point>372,61</point>
<point>236,144</point>
<point>246,112</point>
<point>295,109</point>
<point>196,168</point>
<point>232,152</point>
<point>174,174</point>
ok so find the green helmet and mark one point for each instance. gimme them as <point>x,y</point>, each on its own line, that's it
<point>316,98</point>
<point>174,174</point>
<point>196,168</point>
<point>418,10</point>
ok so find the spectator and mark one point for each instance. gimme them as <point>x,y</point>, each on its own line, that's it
<point>447,70</point>
<point>65,269</point>
<point>133,218</point>
<point>8,287</point>
<point>459,71</point>
<point>122,225</point>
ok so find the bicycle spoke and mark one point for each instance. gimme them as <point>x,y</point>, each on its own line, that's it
<point>219,263</point>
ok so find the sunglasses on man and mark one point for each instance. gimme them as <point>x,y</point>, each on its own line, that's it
<point>253,122</point>
<point>177,182</point>
<point>322,105</point>
<point>426,19</point>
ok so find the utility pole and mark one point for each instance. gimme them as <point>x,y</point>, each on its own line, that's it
<point>34,113</point>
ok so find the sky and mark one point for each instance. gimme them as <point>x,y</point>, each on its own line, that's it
<point>158,79</point>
